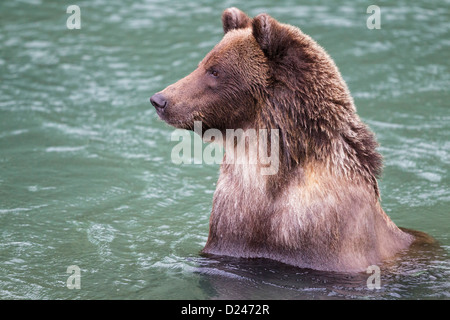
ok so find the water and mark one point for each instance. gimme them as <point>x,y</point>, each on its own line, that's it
<point>85,171</point>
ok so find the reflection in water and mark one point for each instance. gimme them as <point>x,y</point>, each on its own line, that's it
<point>419,269</point>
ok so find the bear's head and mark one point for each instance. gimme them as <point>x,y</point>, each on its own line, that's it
<point>223,91</point>
<point>255,59</point>
<point>267,75</point>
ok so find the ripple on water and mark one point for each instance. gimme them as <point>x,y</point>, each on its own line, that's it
<point>86,175</point>
<point>101,235</point>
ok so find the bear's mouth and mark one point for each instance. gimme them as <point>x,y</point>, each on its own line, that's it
<point>187,124</point>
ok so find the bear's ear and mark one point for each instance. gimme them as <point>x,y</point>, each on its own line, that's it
<point>233,18</point>
<point>273,38</point>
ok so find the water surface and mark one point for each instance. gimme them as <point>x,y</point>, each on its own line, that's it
<point>85,171</point>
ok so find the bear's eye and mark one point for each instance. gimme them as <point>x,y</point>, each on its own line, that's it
<point>214,73</point>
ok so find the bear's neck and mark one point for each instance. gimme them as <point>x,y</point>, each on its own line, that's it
<point>324,130</point>
<point>311,220</point>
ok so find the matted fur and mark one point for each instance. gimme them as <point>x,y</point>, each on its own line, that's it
<point>321,210</point>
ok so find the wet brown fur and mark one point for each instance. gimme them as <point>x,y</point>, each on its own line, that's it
<point>321,210</point>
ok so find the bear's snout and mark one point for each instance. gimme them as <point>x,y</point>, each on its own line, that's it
<point>159,101</point>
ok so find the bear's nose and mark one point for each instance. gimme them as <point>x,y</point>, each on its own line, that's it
<point>158,101</point>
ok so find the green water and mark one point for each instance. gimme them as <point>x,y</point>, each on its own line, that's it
<point>86,177</point>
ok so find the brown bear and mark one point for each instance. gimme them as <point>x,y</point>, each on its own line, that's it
<point>321,209</point>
